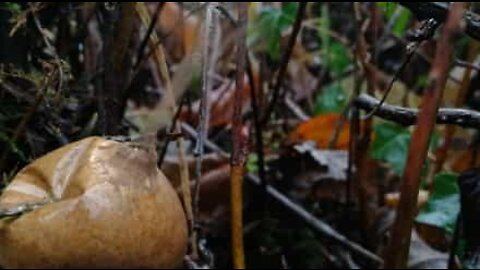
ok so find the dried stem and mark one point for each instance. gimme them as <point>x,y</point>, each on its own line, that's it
<point>460,99</point>
<point>210,34</point>
<point>259,144</point>
<point>397,251</point>
<point>284,62</point>
<point>239,140</point>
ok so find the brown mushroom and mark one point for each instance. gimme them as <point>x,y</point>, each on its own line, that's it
<point>109,207</point>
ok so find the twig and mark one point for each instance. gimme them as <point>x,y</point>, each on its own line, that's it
<point>210,34</point>
<point>439,10</point>
<point>397,251</point>
<point>173,128</point>
<point>407,116</point>
<point>466,64</point>
<point>20,128</point>
<point>320,226</point>
<point>408,57</point>
<point>150,29</point>
<point>295,109</point>
<point>58,62</point>
<point>459,101</point>
<point>239,140</point>
<point>361,151</point>
<point>259,145</point>
<point>183,168</point>
<point>284,62</point>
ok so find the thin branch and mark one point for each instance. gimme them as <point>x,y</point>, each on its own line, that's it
<point>50,47</point>
<point>210,34</point>
<point>408,57</point>
<point>173,128</point>
<point>459,101</point>
<point>239,140</point>
<point>259,144</point>
<point>284,62</point>
<point>439,11</point>
<point>408,116</point>
<point>398,248</point>
<point>151,28</point>
<point>318,225</point>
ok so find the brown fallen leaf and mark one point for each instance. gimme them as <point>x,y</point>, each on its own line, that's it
<point>320,129</point>
<point>110,207</point>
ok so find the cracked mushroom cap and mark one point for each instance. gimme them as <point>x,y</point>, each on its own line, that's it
<point>108,206</point>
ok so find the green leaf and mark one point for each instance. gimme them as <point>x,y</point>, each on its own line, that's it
<point>388,8</point>
<point>332,99</point>
<point>12,7</point>
<point>338,59</point>
<point>402,22</point>
<point>266,31</point>
<point>442,208</point>
<point>391,145</point>
<point>402,14</point>
<point>289,10</point>
<point>334,54</point>
<point>252,163</point>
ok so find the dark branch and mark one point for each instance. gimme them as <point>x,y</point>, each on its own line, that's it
<point>407,116</point>
<point>439,11</point>
<point>297,25</point>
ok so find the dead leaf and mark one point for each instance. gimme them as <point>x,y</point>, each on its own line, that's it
<point>320,129</point>
<point>334,160</point>
<point>422,256</point>
<point>110,208</point>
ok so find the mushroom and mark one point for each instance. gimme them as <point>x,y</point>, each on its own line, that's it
<point>108,206</point>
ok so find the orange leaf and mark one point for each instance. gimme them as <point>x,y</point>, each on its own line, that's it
<point>321,129</point>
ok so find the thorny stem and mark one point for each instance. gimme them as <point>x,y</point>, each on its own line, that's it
<point>397,251</point>
<point>239,152</point>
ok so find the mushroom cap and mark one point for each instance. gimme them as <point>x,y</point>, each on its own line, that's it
<point>108,207</point>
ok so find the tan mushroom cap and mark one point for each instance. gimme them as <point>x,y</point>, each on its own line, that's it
<point>110,207</point>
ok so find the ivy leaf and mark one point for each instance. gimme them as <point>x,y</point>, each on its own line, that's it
<point>442,208</point>
<point>391,145</point>
<point>332,99</point>
<point>267,30</point>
